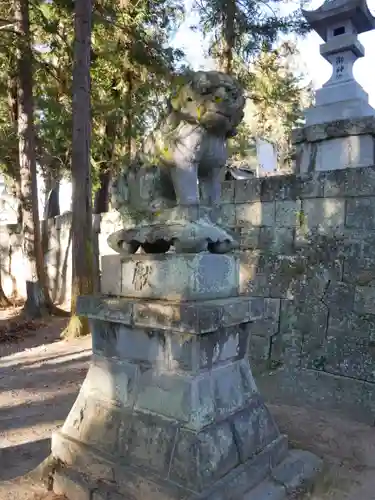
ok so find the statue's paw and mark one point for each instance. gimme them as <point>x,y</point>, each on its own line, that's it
<point>118,242</point>
<point>225,246</point>
<point>158,246</point>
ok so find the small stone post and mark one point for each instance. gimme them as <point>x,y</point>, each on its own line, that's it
<point>169,408</point>
<point>340,127</point>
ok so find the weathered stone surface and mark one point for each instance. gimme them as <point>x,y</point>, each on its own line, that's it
<point>176,276</point>
<point>233,385</point>
<point>350,357</point>
<point>338,128</point>
<point>248,475</point>
<point>311,186</point>
<point>254,429</point>
<point>255,214</point>
<point>350,182</point>
<point>360,213</point>
<point>224,345</point>
<point>278,240</point>
<point>324,214</point>
<point>360,270</point>
<point>265,314</point>
<point>267,490</point>
<point>321,390</point>
<point>248,237</point>
<point>259,353</point>
<point>302,332</point>
<point>227,192</point>
<point>345,152</point>
<point>165,394</point>
<point>279,187</point>
<point>195,317</point>
<point>150,443</point>
<point>339,296</point>
<point>364,301</point>
<point>202,458</point>
<point>288,213</point>
<point>112,380</point>
<point>105,308</point>
<point>68,482</point>
<point>96,423</point>
<point>226,214</point>
<point>344,324</point>
<point>248,191</point>
<point>298,471</point>
<point>134,344</point>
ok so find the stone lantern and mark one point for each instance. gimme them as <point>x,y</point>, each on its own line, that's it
<point>340,127</point>
<point>339,22</point>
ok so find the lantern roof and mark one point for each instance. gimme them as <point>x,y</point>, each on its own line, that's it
<point>333,12</point>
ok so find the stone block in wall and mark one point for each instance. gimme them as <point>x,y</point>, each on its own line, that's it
<point>248,237</point>
<point>280,187</point>
<point>248,191</point>
<point>255,214</point>
<point>303,329</point>
<point>288,213</point>
<point>259,353</point>
<point>270,275</point>
<point>278,240</point>
<point>323,215</point>
<point>359,270</point>
<point>364,300</point>
<point>345,324</point>
<point>349,182</point>
<point>311,186</point>
<point>349,356</point>
<point>226,214</point>
<point>345,152</point>
<point>264,316</point>
<point>339,296</point>
<point>227,192</point>
<point>339,128</point>
<point>360,213</point>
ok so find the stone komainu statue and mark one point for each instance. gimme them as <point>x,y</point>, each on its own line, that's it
<point>168,195</point>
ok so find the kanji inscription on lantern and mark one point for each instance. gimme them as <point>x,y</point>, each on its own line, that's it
<point>340,67</point>
<point>141,275</point>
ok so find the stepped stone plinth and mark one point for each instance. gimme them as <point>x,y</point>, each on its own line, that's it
<point>169,408</point>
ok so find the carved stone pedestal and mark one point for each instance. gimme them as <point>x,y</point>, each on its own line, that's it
<point>169,408</point>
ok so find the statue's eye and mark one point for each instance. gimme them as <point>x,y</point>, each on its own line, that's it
<point>189,99</point>
<point>218,98</point>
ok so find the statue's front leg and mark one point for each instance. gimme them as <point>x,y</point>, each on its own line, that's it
<point>211,187</point>
<point>185,183</point>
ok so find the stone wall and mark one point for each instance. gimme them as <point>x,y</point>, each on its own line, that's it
<point>308,263</point>
<point>309,249</point>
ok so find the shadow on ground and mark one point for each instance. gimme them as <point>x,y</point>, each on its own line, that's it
<point>39,382</point>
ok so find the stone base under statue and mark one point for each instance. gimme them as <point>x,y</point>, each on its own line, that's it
<point>188,229</point>
<point>169,409</point>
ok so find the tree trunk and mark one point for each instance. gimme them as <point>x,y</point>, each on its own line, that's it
<point>37,302</point>
<point>13,115</point>
<point>129,121</point>
<point>101,202</point>
<point>228,38</point>
<point>82,246</point>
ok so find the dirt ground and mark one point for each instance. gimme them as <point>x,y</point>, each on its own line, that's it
<point>40,376</point>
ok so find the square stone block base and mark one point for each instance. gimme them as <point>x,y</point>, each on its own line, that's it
<point>93,476</point>
<point>171,276</point>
